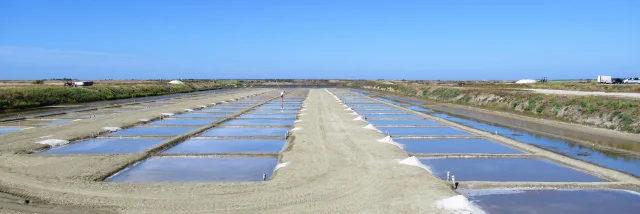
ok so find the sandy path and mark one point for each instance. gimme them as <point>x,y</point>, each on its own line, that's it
<point>336,166</point>
<point>585,93</point>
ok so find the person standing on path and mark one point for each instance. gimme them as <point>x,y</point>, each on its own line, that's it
<point>282,95</point>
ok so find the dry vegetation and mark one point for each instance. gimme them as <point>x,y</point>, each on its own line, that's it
<point>18,95</point>
<point>605,112</point>
<point>560,85</point>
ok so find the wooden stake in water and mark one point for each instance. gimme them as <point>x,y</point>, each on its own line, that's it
<point>453,181</point>
<point>447,175</point>
<point>264,177</point>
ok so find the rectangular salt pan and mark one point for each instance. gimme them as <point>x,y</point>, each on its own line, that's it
<point>107,146</point>
<point>258,122</point>
<point>182,122</point>
<point>556,201</point>
<point>197,169</point>
<point>505,169</point>
<point>435,131</point>
<point>455,146</point>
<point>200,116</point>
<point>9,129</point>
<point>246,132</point>
<point>402,122</point>
<point>268,116</point>
<point>391,116</point>
<point>153,131</point>
<point>208,146</point>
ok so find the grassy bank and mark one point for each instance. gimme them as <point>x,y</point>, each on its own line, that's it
<point>18,98</point>
<point>604,112</point>
<point>563,85</point>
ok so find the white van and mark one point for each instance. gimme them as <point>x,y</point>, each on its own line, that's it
<point>604,80</point>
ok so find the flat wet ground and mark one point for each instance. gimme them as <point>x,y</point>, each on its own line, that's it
<point>435,131</point>
<point>268,116</point>
<point>209,146</point>
<point>246,132</point>
<point>262,122</point>
<point>455,146</point>
<point>555,201</point>
<point>402,122</point>
<point>505,169</point>
<point>373,116</point>
<point>153,131</point>
<point>275,111</point>
<point>197,169</point>
<point>182,122</point>
<point>219,110</point>
<point>4,130</point>
<point>106,146</point>
<point>192,115</point>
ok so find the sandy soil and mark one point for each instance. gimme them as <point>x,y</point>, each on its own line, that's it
<point>585,93</point>
<point>336,166</point>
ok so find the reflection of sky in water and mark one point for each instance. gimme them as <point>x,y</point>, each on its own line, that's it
<point>554,201</point>
<point>196,169</point>
<point>505,169</point>
<point>613,160</point>
<point>10,129</point>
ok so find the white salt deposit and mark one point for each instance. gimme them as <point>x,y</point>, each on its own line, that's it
<point>389,140</point>
<point>371,127</point>
<point>188,109</point>
<point>112,129</point>
<point>458,204</point>
<point>54,142</point>
<point>296,129</point>
<point>414,161</point>
<point>359,118</point>
<point>281,165</point>
<point>144,120</point>
<point>297,121</point>
<point>167,114</point>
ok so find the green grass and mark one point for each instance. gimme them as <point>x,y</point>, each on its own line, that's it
<point>585,109</point>
<point>23,98</point>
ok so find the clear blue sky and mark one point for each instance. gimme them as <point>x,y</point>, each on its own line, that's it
<point>453,39</point>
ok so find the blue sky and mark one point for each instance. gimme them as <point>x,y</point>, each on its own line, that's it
<point>455,39</point>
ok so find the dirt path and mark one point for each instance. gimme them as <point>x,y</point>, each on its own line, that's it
<point>585,93</point>
<point>336,166</point>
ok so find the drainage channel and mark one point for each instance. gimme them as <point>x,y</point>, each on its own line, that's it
<point>234,150</point>
<point>454,153</point>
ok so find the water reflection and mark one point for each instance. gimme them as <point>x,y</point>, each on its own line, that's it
<point>610,159</point>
